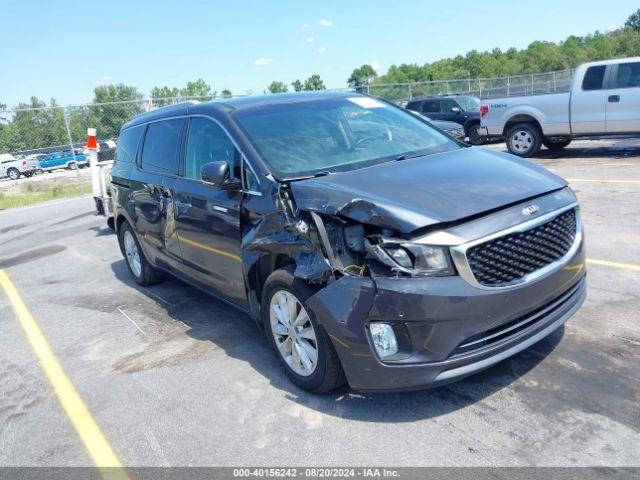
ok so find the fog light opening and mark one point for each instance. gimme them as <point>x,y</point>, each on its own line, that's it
<point>384,339</point>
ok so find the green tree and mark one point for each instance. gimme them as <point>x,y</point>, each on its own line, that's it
<point>164,92</point>
<point>361,76</point>
<point>633,21</point>
<point>198,89</point>
<point>226,93</point>
<point>277,87</point>
<point>313,83</point>
<point>114,105</point>
<point>297,85</point>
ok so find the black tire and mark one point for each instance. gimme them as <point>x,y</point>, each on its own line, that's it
<point>474,137</point>
<point>38,172</point>
<point>328,374</point>
<point>13,173</point>
<point>148,275</point>
<point>528,131</point>
<point>72,166</point>
<point>555,146</point>
<point>27,174</point>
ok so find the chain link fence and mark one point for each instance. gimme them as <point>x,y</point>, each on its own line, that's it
<point>483,88</point>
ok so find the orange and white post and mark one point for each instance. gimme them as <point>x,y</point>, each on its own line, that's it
<point>92,146</point>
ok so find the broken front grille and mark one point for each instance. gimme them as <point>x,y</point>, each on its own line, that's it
<point>509,258</point>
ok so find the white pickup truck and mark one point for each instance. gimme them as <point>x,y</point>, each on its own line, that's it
<point>604,100</point>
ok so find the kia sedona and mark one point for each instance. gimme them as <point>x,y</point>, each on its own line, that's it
<point>369,247</point>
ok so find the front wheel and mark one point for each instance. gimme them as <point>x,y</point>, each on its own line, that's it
<point>13,173</point>
<point>555,143</point>
<point>524,140</point>
<point>474,136</point>
<point>302,346</point>
<point>73,166</point>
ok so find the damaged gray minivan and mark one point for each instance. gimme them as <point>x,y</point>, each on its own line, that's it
<point>369,246</point>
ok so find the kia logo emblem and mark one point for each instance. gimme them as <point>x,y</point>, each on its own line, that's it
<point>530,209</point>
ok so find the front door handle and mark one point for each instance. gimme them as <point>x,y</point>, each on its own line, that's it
<point>614,98</point>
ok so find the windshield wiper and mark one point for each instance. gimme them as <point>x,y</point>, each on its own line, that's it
<point>323,173</point>
<point>407,157</point>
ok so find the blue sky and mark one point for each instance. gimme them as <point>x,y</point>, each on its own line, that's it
<point>64,49</point>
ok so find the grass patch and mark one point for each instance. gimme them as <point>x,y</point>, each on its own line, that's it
<point>32,195</point>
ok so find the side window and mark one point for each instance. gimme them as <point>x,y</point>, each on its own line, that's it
<point>128,144</point>
<point>446,105</point>
<point>628,76</point>
<point>160,150</point>
<point>250,181</point>
<point>593,78</point>
<point>208,142</point>
<point>415,106</point>
<point>431,106</point>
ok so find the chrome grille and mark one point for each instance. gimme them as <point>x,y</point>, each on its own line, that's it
<point>511,257</point>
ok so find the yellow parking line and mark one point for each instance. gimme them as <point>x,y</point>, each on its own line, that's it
<point>593,180</point>
<point>607,263</point>
<point>92,438</point>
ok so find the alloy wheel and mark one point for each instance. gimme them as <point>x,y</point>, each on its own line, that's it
<point>132,253</point>
<point>293,333</point>
<point>521,141</point>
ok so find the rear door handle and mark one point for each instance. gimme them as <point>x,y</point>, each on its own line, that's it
<point>614,98</point>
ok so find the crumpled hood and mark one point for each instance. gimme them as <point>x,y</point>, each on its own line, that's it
<point>424,191</point>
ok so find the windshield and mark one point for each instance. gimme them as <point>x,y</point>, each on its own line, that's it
<point>469,104</point>
<point>301,139</point>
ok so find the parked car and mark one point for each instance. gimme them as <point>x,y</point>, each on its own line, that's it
<point>394,258</point>
<point>13,167</point>
<point>107,150</point>
<point>604,100</point>
<point>64,159</point>
<point>461,109</point>
<point>34,159</point>
<point>451,128</point>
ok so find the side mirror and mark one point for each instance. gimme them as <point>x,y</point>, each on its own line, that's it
<point>456,109</point>
<point>217,175</point>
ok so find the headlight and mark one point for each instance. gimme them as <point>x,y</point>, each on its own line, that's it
<point>414,258</point>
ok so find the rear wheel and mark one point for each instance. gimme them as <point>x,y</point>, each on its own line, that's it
<point>73,166</point>
<point>524,140</point>
<point>302,346</point>
<point>474,137</point>
<point>143,272</point>
<point>555,143</point>
<point>13,173</point>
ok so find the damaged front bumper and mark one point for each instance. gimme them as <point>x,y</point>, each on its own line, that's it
<point>447,328</point>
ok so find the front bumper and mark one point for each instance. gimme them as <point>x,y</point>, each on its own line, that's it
<point>438,315</point>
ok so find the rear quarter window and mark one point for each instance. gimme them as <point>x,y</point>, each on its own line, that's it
<point>161,144</point>
<point>593,78</point>
<point>128,144</point>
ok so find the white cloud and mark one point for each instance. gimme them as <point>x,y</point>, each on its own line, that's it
<point>106,80</point>
<point>309,40</point>
<point>325,23</point>
<point>304,26</point>
<point>260,62</point>
<point>322,50</point>
<point>377,66</point>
